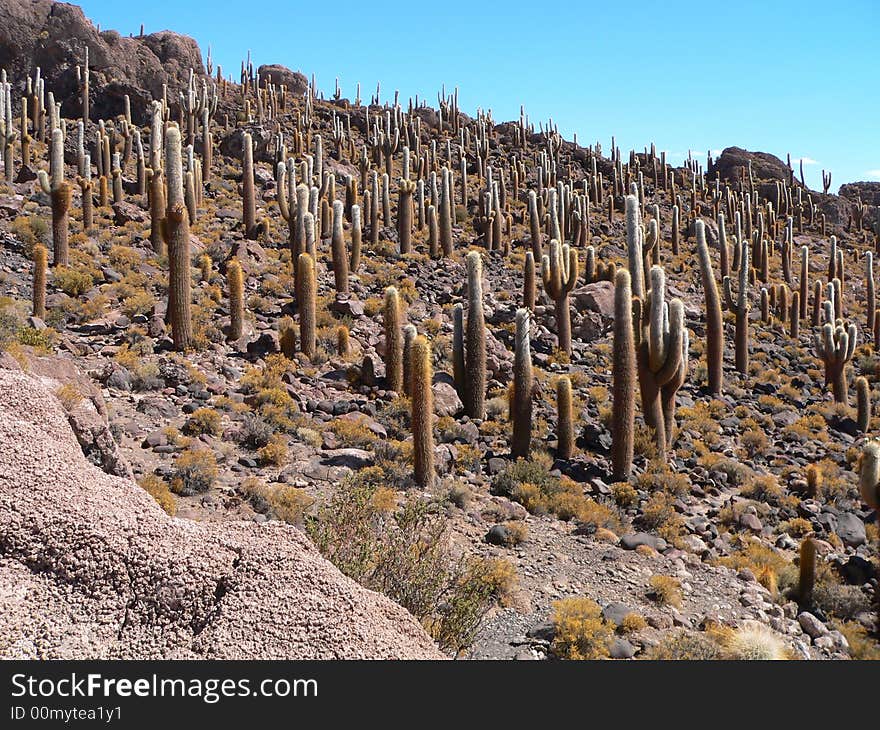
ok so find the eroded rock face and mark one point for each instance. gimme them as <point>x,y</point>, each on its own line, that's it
<point>53,36</point>
<point>93,568</point>
<point>279,75</point>
<point>733,163</point>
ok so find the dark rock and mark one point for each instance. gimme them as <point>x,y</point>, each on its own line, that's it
<point>498,535</point>
<point>634,539</point>
<point>851,529</point>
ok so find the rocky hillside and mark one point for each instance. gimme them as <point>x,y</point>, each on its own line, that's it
<point>554,400</point>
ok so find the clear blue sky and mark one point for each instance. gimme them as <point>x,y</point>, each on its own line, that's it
<point>777,76</point>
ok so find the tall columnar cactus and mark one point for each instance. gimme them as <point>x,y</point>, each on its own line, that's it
<point>343,341</point>
<point>445,223</point>
<point>475,341</point>
<point>807,570</point>
<point>356,239</point>
<point>404,214</point>
<point>869,474</point>
<point>308,291</point>
<point>409,335</point>
<point>249,213</point>
<point>535,226</point>
<point>176,230</point>
<point>235,282</point>
<point>869,289</point>
<point>337,247</point>
<point>564,419</point>
<point>662,358</point>
<point>559,272</point>
<point>805,281</point>
<point>393,341</point>
<point>835,347</point>
<point>287,337</point>
<point>433,232</point>
<point>714,323</point>
<point>740,306</point>
<point>39,283</point>
<point>521,408</point>
<point>863,403</point>
<point>634,247</point>
<point>458,365</point>
<point>58,189</point>
<point>623,374</point>
<point>529,289</point>
<point>422,414</point>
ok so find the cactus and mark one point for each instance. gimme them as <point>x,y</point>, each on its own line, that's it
<point>409,335</point>
<point>807,577</point>
<point>740,306</point>
<point>249,212</point>
<point>458,368</point>
<point>863,403</point>
<point>475,354</point>
<point>39,284</point>
<point>535,226</point>
<point>393,341</point>
<point>795,315</point>
<point>634,247</point>
<point>445,223</point>
<point>205,268</point>
<point>337,248</point>
<point>529,289</point>
<point>623,373</point>
<point>433,233</point>
<point>404,215</point>
<point>356,239</point>
<point>835,347</point>
<point>564,419</point>
<point>869,474</point>
<point>521,407</point>
<point>59,191</point>
<point>343,341</point>
<point>235,282</point>
<point>422,413</point>
<point>559,272</point>
<point>869,289</point>
<point>662,359</point>
<point>176,229</point>
<point>714,323</point>
<point>287,337</point>
<point>307,294</point>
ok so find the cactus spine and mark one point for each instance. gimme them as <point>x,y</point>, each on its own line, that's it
<point>522,387</point>
<point>55,186</point>
<point>176,229</point>
<point>235,282</point>
<point>422,413</point>
<point>623,375</point>
<point>714,323</point>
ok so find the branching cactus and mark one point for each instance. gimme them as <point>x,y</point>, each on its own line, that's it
<point>308,291</point>
<point>835,347</point>
<point>422,419</point>
<point>559,272</point>
<point>623,374</point>
<point>235,282</point>
<point>404,215</point>
<point>475,341</point>
<point>58,189</point>
<point>522,387</point>
<point>176,229</point>
<point>393,341</point>
<point>714,323</point>
<point>662,358</point>
<point>740,306</point>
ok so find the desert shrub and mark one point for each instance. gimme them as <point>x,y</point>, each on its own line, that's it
<point>195,471</point>
<point>403,552</point>
<point>279,501</point>
<point>861,646</point>
<point>685,645</point>
<point>353,432</point>
<point>659,515</point>
<point>158,489</point>
<point>580,632</point>
<point>254,431</point>
<point>632,623</point>
<point>625,494</point>
<point>72,282</point>
<point>275,451</point>
<point>138,303</point>
<point>838,599</point>
<point>202,420</point>
<point>665,590</point>
<point>69,396</point>
<point>755,642</point>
